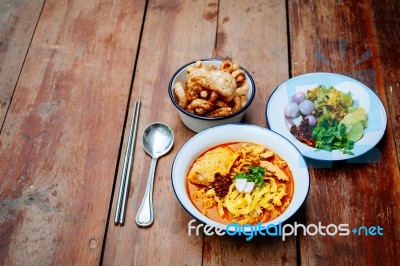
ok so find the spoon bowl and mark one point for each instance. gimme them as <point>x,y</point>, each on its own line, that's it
<point>157,140</point>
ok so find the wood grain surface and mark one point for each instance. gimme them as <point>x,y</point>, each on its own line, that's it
<point>384,15</point>
<point>356,193</point>
<point>60,139</point>
<point>18,22</point>
<point>70,72</point>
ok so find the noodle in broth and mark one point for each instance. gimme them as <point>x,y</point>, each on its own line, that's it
<point>221,201</point>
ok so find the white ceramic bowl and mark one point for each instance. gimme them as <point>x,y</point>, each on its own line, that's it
<point>361,94</point>
<point>198,123</point>
<point>239,133</point>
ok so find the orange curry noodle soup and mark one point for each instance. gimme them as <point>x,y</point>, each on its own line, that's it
<point>240,182</point>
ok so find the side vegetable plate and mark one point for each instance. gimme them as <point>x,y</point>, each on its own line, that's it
<point>327,116</point>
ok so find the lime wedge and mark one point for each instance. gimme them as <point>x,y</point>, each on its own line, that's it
<point>357,109</point>
<point>349,121</point>
<point>352,109</point>
<point>354,128</point>
<point>358,116</point>
<point>356,132</point>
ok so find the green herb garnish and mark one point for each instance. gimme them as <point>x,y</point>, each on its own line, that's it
<point>255,174</point>
<point>331,135</point>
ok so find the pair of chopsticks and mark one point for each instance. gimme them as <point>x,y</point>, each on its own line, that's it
<point>126,172</point>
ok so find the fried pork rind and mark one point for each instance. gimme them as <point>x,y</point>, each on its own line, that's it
<point>211,91</point>
<point>180,94</point>
<point>199,103</point>
<point>204,94</point>
<point>239,76</point>
<point>214,80</point>
<point>220,103</point>
<point>213,96</point>
<point>223,111</point>
<point>229,66</point>
<point>237,103</point>
<point>243,89</point>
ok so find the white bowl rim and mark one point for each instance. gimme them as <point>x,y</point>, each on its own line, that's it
<point>281,218</point>
<point>244,108</point>
<point>322,155</point>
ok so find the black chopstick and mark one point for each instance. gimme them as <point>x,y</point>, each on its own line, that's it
<point>126,172</point>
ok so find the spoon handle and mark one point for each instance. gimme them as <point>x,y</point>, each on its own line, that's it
<point>145,215</point>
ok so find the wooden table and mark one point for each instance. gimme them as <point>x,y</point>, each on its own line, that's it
<point>69,74</point>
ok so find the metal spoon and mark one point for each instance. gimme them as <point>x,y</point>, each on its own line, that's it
<point>157,140</point>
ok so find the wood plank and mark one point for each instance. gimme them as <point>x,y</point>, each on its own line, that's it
<point>255,35</point>
<point>61,138</point>
<point>266,58</point>
<point>386,23</point>
<point>339,37</point>
<point>173,35</point>
<point>18,20</point>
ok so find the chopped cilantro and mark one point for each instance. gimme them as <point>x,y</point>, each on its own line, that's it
<point>331,135</point>
<point>255,174</point>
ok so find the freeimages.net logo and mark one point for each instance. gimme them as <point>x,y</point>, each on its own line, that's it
<point>283,230</point>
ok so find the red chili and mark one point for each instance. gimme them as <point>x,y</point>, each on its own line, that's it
<point>221,184</point>
<point>304,133</point>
